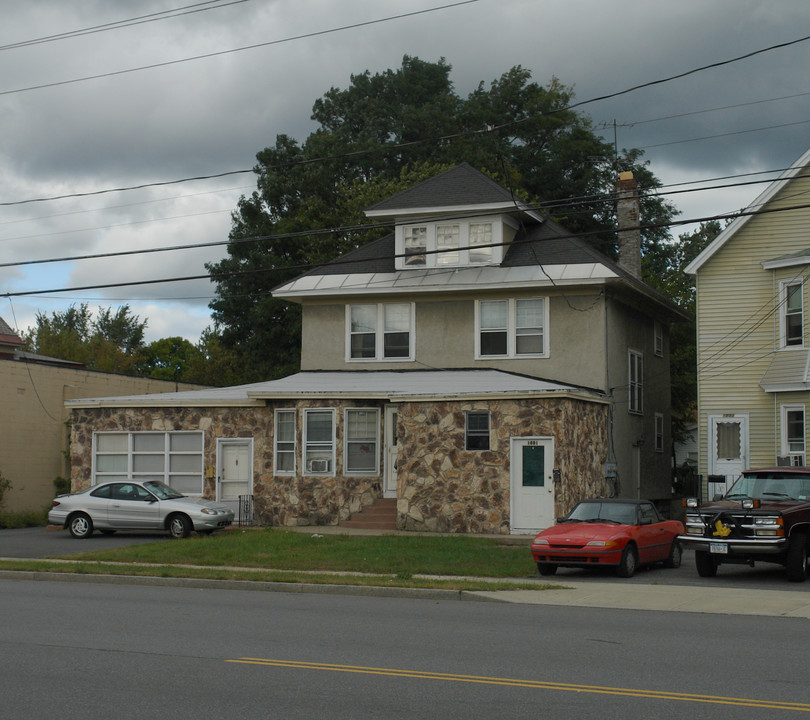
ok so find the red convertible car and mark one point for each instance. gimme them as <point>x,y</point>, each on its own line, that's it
<point>624,533</point>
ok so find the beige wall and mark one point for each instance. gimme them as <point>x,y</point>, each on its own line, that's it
<point>445,338</point>
<point>33,429</point>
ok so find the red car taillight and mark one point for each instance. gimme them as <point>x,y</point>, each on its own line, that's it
<point>55,503</point>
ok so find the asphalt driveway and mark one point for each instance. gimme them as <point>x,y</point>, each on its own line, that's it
<point>40,542</point>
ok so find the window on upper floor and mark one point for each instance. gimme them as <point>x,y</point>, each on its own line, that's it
<point>659,432</point>
<point>380,331</point>
<point>511,328</point>
<point>792,314</point>
<point>635,381</point>
<point>477,241</point>
<point>658,338</point>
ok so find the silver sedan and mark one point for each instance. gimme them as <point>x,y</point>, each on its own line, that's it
<point>148,505</point>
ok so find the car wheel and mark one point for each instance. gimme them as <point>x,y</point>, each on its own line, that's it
<point>674,559</point>
<point>179,526</point>
<point>796,563</point>
<point>706,565</point>
<point>81,526</point>
<point>628,563</point>
<point>546,568</point>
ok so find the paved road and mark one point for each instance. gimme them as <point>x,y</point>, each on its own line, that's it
<point>70,649</point>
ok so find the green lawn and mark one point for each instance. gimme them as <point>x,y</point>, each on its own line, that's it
<point>275,549</point>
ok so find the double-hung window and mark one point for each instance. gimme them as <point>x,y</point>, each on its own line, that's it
<point>362,441</point>
<point>476,431</point>
<point>415,238</point>
<point>175,458</point>
<point>659,432</point>
<point>792,314</point>
<point>635,382</point>
<point>284,455</point>
<point>382,331</point>
<point>319,441</point>
<point>511,328</point>
<point>793,433</point>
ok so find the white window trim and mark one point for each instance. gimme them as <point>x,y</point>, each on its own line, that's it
<point>305,444</point>
<point>361,473</point>
<point>130,476</point>
<point>379,335</point>
<point>658,338</point>
<point>511,330</point>
<point>635,355</point>
<point>784,286</point>
<point>467,433</point>
<point>785,447</point>
<point>294,451</point>
<point>431,255</point>
<point>659,432</point>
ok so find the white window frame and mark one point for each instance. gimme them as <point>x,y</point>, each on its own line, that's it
<point>512,330</point>
<point>379,333</point>
<point>658,338</point>
<point>635,382</point>
<point>166,455</point>
<point>375,441</point>
<point>788,449</point>
<point>477,433</point>
<point>784,291</point>
<point>324,449</point>
<point>277,450</point>
<point>659,432</point>
<point>408,259</point>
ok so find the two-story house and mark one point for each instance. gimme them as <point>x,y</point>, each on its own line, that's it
<point>753,348</point>
<point>478,365</point>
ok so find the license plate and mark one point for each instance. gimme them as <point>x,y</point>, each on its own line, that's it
<point>718,548</point>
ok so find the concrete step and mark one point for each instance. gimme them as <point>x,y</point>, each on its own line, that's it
<point>381,515</point>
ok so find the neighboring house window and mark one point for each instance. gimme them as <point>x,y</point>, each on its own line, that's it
<point>792,314</point>
<point>511,328</point>
<point>362,442</point>
<point>659,432</point>
<point>284,454</point>
<point>635,374</point>
<point>319,441</point>
<point>380,332</point>
<point>439,244</point>
<point>477,431</point>
<point>793,433</point>
<point>658,331</point>
<point>176,458</point>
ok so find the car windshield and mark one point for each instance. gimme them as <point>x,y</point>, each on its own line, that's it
<point>623,513</point>
<point>770,486</point>
<point>162,490</point>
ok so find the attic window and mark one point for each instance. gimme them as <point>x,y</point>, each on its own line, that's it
<point>450,244</point>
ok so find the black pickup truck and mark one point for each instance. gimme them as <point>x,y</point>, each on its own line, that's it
<point>764,517</point>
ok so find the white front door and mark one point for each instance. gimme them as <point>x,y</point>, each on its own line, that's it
<point>728,449</point>
<point>391,452</point>
<point>532,484</point>
<point>234,472</point>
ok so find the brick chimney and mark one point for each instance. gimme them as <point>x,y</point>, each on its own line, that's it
<point>627,213</point>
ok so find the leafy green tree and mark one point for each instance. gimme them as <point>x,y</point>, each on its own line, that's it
<point>372,139</point>
<point>111,342</point>
<point>167,358</point>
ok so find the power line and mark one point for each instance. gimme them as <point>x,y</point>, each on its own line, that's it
<point>205,56</point>
<point>130,22</point>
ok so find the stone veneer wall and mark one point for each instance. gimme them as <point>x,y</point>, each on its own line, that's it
<point>441,486</point>
<point>468,491</point>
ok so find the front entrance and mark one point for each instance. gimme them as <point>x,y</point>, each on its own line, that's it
<point>234,472</point>
<point>728,450</point>
<point>391,451</point>
<point>532,484</point>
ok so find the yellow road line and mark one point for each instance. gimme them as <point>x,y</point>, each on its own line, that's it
<point>536,684</point>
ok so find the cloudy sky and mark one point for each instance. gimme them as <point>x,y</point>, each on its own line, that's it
<point>197,89</point>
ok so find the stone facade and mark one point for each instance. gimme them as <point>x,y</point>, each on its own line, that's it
<point>441,487</point>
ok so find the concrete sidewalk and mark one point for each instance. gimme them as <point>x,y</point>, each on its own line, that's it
<point>679,598</point>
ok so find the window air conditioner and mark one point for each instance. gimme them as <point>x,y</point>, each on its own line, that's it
<point>318,465</point>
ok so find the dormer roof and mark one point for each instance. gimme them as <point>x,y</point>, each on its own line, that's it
<point>9,340</point>
<point>460,188</point>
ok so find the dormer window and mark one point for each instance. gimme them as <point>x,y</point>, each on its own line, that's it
<point>450,244</point>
